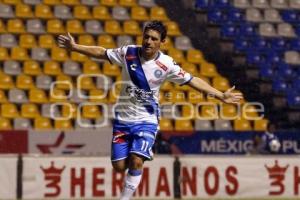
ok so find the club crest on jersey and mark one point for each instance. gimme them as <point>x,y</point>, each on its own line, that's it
<point>158,73</point>
<point>133,66</point>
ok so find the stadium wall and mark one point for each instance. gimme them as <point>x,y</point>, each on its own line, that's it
<point>61,177</point>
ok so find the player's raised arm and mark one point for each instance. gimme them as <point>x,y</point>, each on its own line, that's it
<point>68,42</point>
<point>227,97</point>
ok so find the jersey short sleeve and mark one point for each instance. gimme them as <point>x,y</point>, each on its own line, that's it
<point>178,75</point>
<point>116,56</point>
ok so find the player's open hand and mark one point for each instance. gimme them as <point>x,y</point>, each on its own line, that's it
<point>230,97</point>
<point>66,41</point>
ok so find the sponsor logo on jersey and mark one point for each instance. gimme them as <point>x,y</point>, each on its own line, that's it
<point>164,67</point>
<point>133,67</point>
<point>130,57</point>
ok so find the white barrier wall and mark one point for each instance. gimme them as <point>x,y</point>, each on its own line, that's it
<point>246,177</point>
<point>80,178</point>
<point>212,177</point>
<point>8,177</point>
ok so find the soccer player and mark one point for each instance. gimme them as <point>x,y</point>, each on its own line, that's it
<point>144,69</point>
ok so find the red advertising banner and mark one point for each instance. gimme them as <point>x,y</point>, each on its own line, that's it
<point>91,178</point>
<point>13,141</point>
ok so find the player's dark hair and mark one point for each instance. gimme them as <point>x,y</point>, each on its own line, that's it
<point>157,26</point>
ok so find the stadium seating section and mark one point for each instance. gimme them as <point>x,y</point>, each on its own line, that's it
<point>31,61</point>
<point>267,33</point>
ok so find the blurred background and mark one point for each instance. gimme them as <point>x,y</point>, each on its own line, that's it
<point>57,107</point>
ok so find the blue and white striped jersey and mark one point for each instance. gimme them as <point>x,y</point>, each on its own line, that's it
<point>138,100</point>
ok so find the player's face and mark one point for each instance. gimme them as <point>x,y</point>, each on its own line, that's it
<point>151,42</point>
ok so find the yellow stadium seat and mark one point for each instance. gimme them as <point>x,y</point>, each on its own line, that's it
<point>127,3</point>
<point>59,54</point>
<point>188,111</point>
<point>63,78</point>
<point>47,41</point>
<point>52,68</point>
<point>23,11</point>
<point>69,110</point>
<point>112,97</point>
<point>132,28</point>
<point>57,95</point>
<point>101,13</point>
<point>71,2</point>
<point>166,124</point>
<point>168,44</point>
<point>5,124</point>
<point>82,12</point>
<point>25,82</point>
<point>91,112</point>
<point>194,56</point>
<point>42,123</point>
<point>220,83</point>
<point>6,82</point>
<point>27,41</point>
<point>184,125</point>
<point>110,3</point>
<point>19,53</point>
<point>63,124</point>
<point>242,125</point>
<point>228,111</point>
<point>112,27</point>
<point>15,26</point>
<point>173,29</point>
<point>32,67</point>
<point>177,55</point>
<point>3,54</point>
<point>195,97</point>
<point>208,70</point>
<point>111,70</point>
<point>91,67</point>
<point>106,41</point>
<point>86,40</point>
<point>158,13</point>
<point>139,13</point>
<point>30,110</point>
<point>9,110</point>
<point>74,26</point>
<point>13,2</point>
<point>86,83</point>
<point>139,40</point>
<point>78,57</point>
<point>3,98</point>
<point>2,27</point>
<point>55,26</point>
<point>209,112</point>
<point>162,99</point>
<point>97,95</point>
<point>190,68</point>
<point>260,124</point>
<point>37,96</point>
<point>249,112</point>
<point>52,2</point>
<point>166,86</point>
<point>43,11</point>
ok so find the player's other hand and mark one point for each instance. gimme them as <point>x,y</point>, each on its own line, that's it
<point>230,97</point>
<point>66,41</point>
